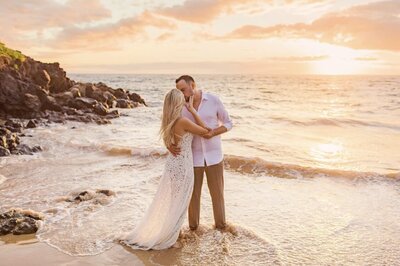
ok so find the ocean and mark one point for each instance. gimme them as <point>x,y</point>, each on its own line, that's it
<point>312,171</point>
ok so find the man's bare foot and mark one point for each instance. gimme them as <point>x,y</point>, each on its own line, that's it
<point>229,228</point>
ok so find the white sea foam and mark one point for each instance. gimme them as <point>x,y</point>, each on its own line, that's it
<point>2,179</point>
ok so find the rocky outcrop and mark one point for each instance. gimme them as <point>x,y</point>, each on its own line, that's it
<point>10,141</point>
<point>38,91</point>
<point>30,89</point>
<point>18,222</point>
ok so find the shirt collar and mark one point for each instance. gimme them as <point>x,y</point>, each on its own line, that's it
<point>204,95</point>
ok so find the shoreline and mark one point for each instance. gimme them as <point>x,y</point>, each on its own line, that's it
<point>18,249</point>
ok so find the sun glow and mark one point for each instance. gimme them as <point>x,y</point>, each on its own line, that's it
<point>337,66</point>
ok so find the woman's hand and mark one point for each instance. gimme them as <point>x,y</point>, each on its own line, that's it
<point>174,149</point>
<point>189,105</point>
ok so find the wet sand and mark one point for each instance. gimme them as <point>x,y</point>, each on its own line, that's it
<point>206,246</point>
<point>26,250</point>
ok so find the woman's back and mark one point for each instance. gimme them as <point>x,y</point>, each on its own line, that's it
<point>160,227</point>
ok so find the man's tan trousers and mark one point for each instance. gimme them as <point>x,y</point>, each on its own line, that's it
<point>215,181</point>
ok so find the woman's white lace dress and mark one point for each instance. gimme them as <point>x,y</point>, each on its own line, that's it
<point>160,226</point>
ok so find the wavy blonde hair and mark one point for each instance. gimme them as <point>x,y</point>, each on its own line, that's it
<point>172,111</point>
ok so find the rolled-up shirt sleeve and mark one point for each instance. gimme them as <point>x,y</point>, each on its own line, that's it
<point>223,115</point>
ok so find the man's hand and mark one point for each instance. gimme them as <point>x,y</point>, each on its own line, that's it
<point>174,149</point>
<point>209,135</point>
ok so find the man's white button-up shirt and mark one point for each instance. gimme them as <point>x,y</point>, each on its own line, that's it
<point>213,113</point>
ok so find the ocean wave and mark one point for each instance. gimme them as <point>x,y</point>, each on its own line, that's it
<point>112,150</point>
<point>2,179</point>
<point>257,166</point>
<point>119,150</point>
<point>334,122</point>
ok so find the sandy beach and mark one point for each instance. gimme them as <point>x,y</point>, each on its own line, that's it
<point>26,250</point>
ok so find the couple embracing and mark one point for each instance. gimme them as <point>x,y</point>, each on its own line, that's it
<point>192,122</point>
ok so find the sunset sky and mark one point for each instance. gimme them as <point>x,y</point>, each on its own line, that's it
<point>207,36</point>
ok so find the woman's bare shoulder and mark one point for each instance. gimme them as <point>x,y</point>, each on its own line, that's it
<point>181,123</point>
<point>183,120</point>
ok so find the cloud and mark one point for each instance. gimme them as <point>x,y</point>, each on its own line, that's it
<point>165,36</point>
<point>42,14</point>
<point>299,58</point>
<point>195,67</point>
<point>107,37</point>
<point>366,58</point>
<point>374,26</point>
<point>207,10</point>
<point>25,24</point>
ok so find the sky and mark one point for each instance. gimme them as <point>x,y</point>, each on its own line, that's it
<point>286,37</point>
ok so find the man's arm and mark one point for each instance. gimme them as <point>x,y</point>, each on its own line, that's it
<point>226,121</point>
<point>215,132</point>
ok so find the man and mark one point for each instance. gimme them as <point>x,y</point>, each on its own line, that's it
<point>207,151</point>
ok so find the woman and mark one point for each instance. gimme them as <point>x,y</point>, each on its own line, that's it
<point>160,227</point>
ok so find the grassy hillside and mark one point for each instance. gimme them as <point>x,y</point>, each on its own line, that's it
<point>4,51</point>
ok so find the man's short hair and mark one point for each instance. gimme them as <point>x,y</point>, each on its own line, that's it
<point>186,78</point>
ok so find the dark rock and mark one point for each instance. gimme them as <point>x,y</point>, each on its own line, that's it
<point>4,152</point>
<point>121,94</point>
<point>36,148</point>
<point>31,124</point>
<point>4,131</point>
<point>106,192</point>
<point>136,98</point>
<point>83,103</point>
<point>42,78</point>
<point>81,196</point>
<point>12,140</point>
<point>15,130</point>
<point>59,80</point>
<point>110,98</point>
<point>32,102</point>
<point>113,114</point>
<point>52,104</point>
<point>63,98</point>
<point>24,149</point>
<point>122,103</point>
<point>101,196</point>
<point>69,110</point>
<point>100,109</point>
<point>13,124</point>
<point>3,141</point>
<point>102,121</point>
<point>75,92</point>
<point>99,96</point>
<point>25,226</point>
<point>18,221</point>
<point>90,88</point>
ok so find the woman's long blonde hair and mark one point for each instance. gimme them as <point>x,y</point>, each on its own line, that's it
<point>172,111</point>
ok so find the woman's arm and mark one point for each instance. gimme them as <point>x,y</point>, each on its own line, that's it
<point>196,116</point>
<point>193,128</point>
<point>198,119</point>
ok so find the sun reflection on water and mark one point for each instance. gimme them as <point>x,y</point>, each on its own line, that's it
<point>330,152</point>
